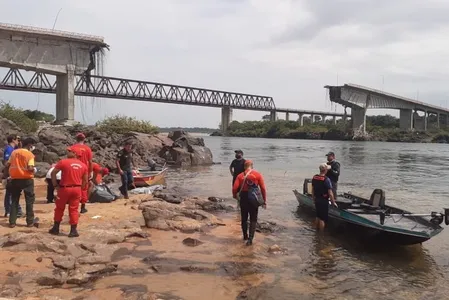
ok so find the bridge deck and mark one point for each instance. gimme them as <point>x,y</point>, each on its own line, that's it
<point>380,99</point>
<point>53,34</point>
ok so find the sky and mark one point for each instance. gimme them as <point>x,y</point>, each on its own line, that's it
<point>286,49</point>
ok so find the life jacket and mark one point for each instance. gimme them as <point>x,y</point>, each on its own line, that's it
<point>19,161</point>
<point>319,187</point>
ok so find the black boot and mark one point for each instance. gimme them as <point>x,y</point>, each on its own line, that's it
<point>73,231</point>
<point>83,208</point>
<point>245,236</point>
<point>55,229</point>
<point>252,231</point>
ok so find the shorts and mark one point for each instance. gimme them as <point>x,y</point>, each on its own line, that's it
<point>322,209</point>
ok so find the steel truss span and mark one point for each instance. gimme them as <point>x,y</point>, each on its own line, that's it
<point>119,88</point>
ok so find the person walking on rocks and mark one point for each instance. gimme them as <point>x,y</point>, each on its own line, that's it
<point>13,143</point>
<point>21,171</point>
<point>86,158</point>
<point>237,165</point>
<point>124,165</point>
<point>73,182</point>
<point>243,182</point>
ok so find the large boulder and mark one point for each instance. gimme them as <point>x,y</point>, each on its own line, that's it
<point>186,150</point>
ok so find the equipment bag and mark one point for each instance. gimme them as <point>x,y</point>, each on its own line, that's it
<point>254,194</point>
<point>102,194</point>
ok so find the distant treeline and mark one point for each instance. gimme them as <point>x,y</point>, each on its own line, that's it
<point>188,129</point>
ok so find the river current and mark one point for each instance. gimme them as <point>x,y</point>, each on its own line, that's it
<point>414,176</point>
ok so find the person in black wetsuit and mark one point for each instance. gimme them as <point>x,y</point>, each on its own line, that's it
<point>238,165</point>
<point>334,172</point>
<point>321,193</point>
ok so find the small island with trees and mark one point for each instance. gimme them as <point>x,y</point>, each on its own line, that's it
<point>378,128</point>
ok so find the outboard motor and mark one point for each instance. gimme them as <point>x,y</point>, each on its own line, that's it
<point>382,217</point>
<point>446,216</point>
<point>306,190</point>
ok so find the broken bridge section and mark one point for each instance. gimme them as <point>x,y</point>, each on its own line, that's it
<point>360,99</point>
<point>59,53</point>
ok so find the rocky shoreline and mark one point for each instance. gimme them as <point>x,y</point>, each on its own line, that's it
<point>117,241</point>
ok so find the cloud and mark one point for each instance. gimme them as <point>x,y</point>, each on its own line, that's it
<point>287,49</point>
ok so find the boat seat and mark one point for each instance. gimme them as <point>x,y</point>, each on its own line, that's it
<point>377,199</point>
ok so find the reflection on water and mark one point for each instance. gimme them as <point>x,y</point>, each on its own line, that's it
<point>331,264</point>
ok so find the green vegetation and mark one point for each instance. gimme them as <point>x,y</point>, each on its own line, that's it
<point>379,128</point>
<point>122,124</point>
<point>19,117</point>
<point>39,115</point>
<point>188,129</point>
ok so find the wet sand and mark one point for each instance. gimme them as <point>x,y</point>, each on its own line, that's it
<point>220,268</point>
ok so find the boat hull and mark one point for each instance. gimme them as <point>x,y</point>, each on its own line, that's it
<point>150,179</point>
<point>366,230</point>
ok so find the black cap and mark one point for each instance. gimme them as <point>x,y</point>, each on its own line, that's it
<point>238,151</point>
<point>330,153</point>
<point>28,141</point>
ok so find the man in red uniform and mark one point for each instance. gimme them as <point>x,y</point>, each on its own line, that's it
<point>241,187</point>
<point>98,173</point>
<point>86,158</point>
<point>73,181</point>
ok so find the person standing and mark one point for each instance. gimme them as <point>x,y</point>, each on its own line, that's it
<point>249,177</point>
<point>334,171</point>
<point>73,181</point>
<point>50,187</point>
<point>124,165</point>
<point>321,193</point>
<point>21,171</point>
<point>13,143</point>
<point>237,165</point>
<point>86,157</point>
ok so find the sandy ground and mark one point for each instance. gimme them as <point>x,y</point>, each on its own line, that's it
<point>222,245</point>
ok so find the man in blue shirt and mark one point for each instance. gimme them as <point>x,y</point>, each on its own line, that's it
<point>13,143</point>
<point>321,193</point>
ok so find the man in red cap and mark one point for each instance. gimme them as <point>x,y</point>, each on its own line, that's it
<point>86,158</point>
<point>98,173</point>
<point>73,181</point>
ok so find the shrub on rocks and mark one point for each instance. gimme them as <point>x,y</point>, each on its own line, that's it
<point>18,117</point>
<point>122,124</point>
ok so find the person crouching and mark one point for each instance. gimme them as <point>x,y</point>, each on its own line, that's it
<point>73,181</point>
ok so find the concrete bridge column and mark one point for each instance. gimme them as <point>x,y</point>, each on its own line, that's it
<point>405,119</point>
<point>287,116</point>
<point>226,119</point>
<point>301,119</point>
<point>273,116</point>
<point>358,116</point>
<point>438,120</point>
<point>426,114</point>
<point>334,120</point>
<point>65,96</point>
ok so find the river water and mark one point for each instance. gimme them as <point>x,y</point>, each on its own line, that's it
<point>335,266</point>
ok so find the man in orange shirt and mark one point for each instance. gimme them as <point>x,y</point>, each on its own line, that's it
<point>98,173</point>
<point>73,181</point>
<point>249,177</point>
<point>86,158</point>
<point>21,171</point>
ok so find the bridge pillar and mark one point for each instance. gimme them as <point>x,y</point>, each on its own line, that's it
<point>273,116</point>
<point>358,116</point>
<point>438,120</point>
<point>334,120</point>
<point>301,119</point>
<point>426,114</point>
<point>65,96</point>
<point>406,119</point>
<point>287,116</point>
<point>226,119</point>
